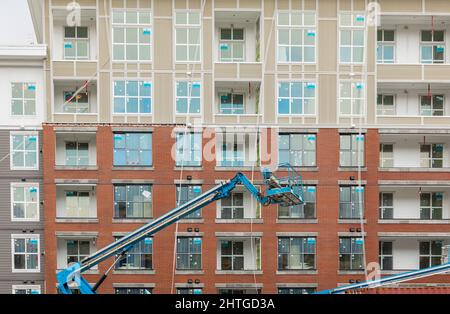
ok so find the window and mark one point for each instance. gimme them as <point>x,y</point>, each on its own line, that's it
<point>231,255</point>
<point>431,205</point>
<point>239,291</point>
<point>131,35</point>
<point>132,149</point>
<point>77,204</point>
<point>189,253</point>
<point>188,97</point>
<point>305,211</point>
<point>232,103</point>
<point>76,102</point>
<point>25,202</point>
<point>351,202</point>
<point>296,98</point>
<point>296,290</point>
<point>232,44</point>
<point>77,154</point>
<point>133,290</point>
<point>351,37</point>
<point>26,289</point>
<point>386,201</point>
<point>77,250</point>
<point>232,207</point>
<point>432,46</point>
<point>24,151</point>
<point>385,46</point>
<point>76,43</point>
<point>25,253</point>
<point>351,253</point>
<point>232,151</point>
<point>385,255</point>
<point>386,155</point>
<point>133,97</point>
<point>186,193</point>
<point>432,105</point>
<point>133,201</point>
<point>296,253</point>
<point>296,37</point>
<point>351,98</point>
<point>187,34</point>
<point>431,155</point>
<point>139,257</point>
<point>430,253</point>
<point>23,99</point>
<point>351,152</point>
<point>385,105</point>
<point>189,290</point>
<point>189,149</point>
<point>297,149</point>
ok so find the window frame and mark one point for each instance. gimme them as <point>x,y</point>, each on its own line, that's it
<point>38,254</point>
<point>353,99</point>
<point>353,202</point>
<point>234,109</point>
<point>430,254</point>
<point>434,44</point>
<point>140,83</point>
<point>352,150</point>
<point>181,150</point>
<point>190,253</point>
<point>23,99</point>
<point>140,253</point>
<point>382,208</point>
<point>432,208</point>
<point>126,201</point>
<point>381,107</point>
<point>74,41</point>
<point>381,44</point>
<point>306,191</point>
<point>79,209</point>
<point>141,27</point>
<point>302,151</point>
<point>232,255</point>
<point>296,290</point>
<point>189,97</point>
<point>432,105</point>
<point>24,185</point>
<point>304,86</point>
<point>382,255</point>
<point>74,102</point>
<point>231,43</point>
<point>352,28</point>
<point>188,26</point>
<point>383,159</point>
<point>143,290</point>
<point>232,207</point>
<point>302,252</point>
<point>77,153</point>
<point>78,255</point>
<point>352,253</point>
<point>125,135</point>
<point>430,159</point>
<point>197,214</point>
<point>303,28</point>
<point>11,149</point>
<point>26,287</point>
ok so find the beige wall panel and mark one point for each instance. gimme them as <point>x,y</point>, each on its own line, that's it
<point>118,74</point>
<point>132,66</point>
<point>246,4</point>
<point>437,72</point>
<point>286,76</point>
<point>225,119</point>
<point>307,68</point>
<point>437,6</point>
<point>102,6</point>
<point>87,69</point>
<point>271,55</point>
<point>48,95</point>
<point>310,121</point>
<point>87,118</point>
<point>181,67</point>
<point>180,4</point>
<point>296,121</point>
<point>163,51</point>
<point>283,68</point>
<point>327,98</point>
<point>131,74</point>
<point>359,5</point>
<point>195,4</point>
<point>118,119</point>
<point>145,66</point>
<point>162,8</point>
<point>145,75</point>
<point>253,71</point>
<point>399,120</point>
<point>269,8</point>
<point>371,99</point>
<point>63,118</point>
<point>310,76</point>
<point>283,120</point>
<point>118,4</point>
<point>345,5</point>
<point>64,68</point>
<point>145,4</point>
<point>207,44</point>
<point>401,5</point>
<point>346,121</point>
<point>225,70</point>
<point>207,104</point>
<point>118,66</point>
<point>146,119</point>
<point>297,5</point>
<point>132,119</point>
<point>268,106</point>
<point>225,4</point>
<point>436,121</point>
<point>327,8</point>
<point>131,4</point>
<point>399,72</point>
<point>207,9</point>
<point>104,99</point>
<point>250,119</point>
<point>345,68</point>
<point>63,3</point>
<point>310,4</point>
<point>103,40</point>
<point>327,46</point>
<point>163,98</point>
<point>283,4</point>
<point>371,56</point>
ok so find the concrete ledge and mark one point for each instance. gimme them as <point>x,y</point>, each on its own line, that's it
<point>236,169</point>
<point>297,285</point>
<point>413,169</point>
<point>352,182</point>
<point>130,221</point>
<point>133,272</point>
<point>76,181</point>
<point>351,221</point>
<point>413,131</point>
<point>296,221</point>
<point>414,234</point>
<point>239,285</point>
<point>351,169</point>
<point>76,220</point>
<point>352,130</point>
<point>147,129</point>
<point>239,272</point>
<point>75,168</point>
<point>76,234</point>
<point>191,221</point>
<point>351,234</point>
<point>414,221</point>
<point>189,272</point>
<point>193,181</point>
<point>297,234</point>
<point>413,183</point>
<point>189,285</point>
<point>350,272</point>
<point>114,168</point>
<point>239,221</point>
<point>190,234</point>
<point>297,272</point>
<point>239,234</point>
<point>133,285</point>
<point>282,129</point>
<point>132,181</point>
<point>188,168</point>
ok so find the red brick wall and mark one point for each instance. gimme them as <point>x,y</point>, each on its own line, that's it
<point>164,200</point>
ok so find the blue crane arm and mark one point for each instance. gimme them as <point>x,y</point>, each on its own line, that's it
<point>73,272</point>
<point>406,276</point>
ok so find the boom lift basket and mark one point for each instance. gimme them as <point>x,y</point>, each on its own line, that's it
<point>285,191</point>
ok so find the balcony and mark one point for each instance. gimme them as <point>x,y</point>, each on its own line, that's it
<point>76,203</point>
<point>75,151</point>
<point>414,204</point>
<point>238,255</point>
<point>240,207</point>
<point>72,248</point>
<point>414,152</point>
<point>405,253</point>
<point>75,101</point>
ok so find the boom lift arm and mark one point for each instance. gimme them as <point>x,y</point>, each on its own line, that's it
<point>284,191</point>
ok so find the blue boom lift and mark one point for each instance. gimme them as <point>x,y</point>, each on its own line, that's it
<point>286,191</point>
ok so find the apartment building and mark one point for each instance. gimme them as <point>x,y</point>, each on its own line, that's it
<point>359,109</point>
<point>22,89</point>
